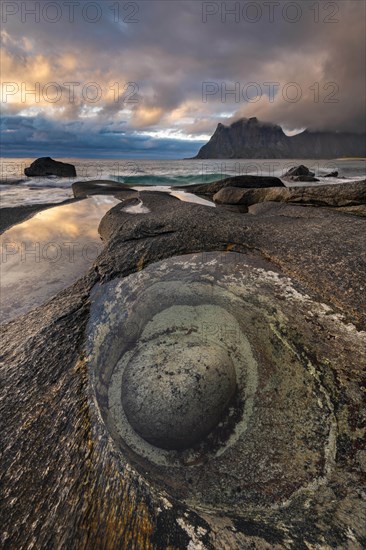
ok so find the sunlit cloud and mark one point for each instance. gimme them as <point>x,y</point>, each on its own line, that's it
<point>146,79</point>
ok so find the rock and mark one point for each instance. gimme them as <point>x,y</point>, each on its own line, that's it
<point>344,194</point>
<point>83,189</point>
<point>46,166</point>
<point>245,182</point>
<point>303,178</point>
<point>303,297</point>
<point>175,395</point>
<point>173,227</point>
<point>358,210</point>
<point>208,315</point>
<point>331,174</point>
<point>237,196</point>
<point>299,171</point>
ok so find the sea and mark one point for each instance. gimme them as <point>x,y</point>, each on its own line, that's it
<point>17,189</point>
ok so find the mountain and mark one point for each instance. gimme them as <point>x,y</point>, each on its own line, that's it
<point>252,139</point>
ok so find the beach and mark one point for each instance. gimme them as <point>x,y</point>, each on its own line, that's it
<point>176,287</point>
<point>256,317</point>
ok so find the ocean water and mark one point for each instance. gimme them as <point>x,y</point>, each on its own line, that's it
<point>17,189</point>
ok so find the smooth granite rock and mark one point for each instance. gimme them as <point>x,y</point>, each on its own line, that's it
<point>244,182</point>
<point>344,194</point>
<point>45,166</point>
<point>291,475</point>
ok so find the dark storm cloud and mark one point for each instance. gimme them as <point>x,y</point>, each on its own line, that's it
<point>173,48</point>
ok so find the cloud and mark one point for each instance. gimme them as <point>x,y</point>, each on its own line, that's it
<point>148,75</point>
<point>47,137</point>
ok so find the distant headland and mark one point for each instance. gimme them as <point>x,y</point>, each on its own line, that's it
<point>253,139</point>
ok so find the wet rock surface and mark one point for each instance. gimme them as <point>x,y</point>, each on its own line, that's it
<point>83,189</point>
<point>70,478</point>
<point>12,215</point>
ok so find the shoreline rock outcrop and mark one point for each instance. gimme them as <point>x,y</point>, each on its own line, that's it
<point>244,182</point>
<point>338,195</point>
<point>65,480</point>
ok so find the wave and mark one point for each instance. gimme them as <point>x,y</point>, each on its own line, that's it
<point>43,182</point>
<point>152,179</point>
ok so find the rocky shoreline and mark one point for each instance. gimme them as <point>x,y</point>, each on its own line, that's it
<point>300,271</point>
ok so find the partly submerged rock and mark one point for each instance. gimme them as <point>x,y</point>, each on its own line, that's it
<point>300,170</point>
<point>244,182</point>
<point>83,189</point>
<point>344,194</point>
<point>45,166</point>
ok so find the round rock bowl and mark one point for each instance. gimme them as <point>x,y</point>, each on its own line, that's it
<point>212,381</point>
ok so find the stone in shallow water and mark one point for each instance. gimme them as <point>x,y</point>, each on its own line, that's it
<point>174,395</point>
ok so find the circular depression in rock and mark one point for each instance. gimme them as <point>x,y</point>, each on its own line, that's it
<point>268,429</point>
<point>174,395</point>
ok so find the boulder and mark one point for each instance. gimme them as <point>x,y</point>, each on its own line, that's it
<point>245,182</point>
<point>344,194</point>
<point>299,171</point>
<point>45,166</point>
<point>166,418</point>
<point>331,174</point>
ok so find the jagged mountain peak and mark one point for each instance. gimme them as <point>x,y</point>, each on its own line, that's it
<point>252,138</point>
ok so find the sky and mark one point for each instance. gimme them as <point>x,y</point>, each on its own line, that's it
<point>153,78</point>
